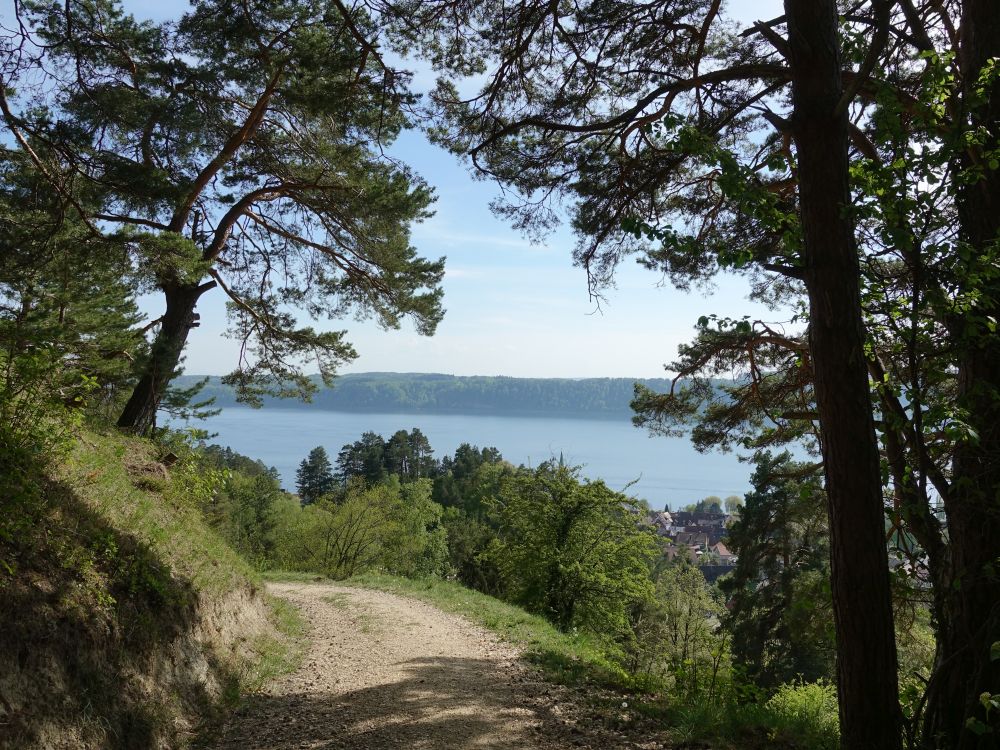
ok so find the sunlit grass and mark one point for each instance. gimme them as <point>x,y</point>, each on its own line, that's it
<point>120,479</point>
<point>565,658</point>
<point>291,576</point>
<point>153,509</point>
<point>277,656</point>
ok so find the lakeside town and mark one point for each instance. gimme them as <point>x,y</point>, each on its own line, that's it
<point>698,535</point>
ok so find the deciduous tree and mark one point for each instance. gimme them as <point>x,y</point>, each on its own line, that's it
<point>571,550</point>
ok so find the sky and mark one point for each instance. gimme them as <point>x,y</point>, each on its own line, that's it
<point>513,308</point>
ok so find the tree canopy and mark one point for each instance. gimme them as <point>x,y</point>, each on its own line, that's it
<point>240,147</point>
<point>844,159</point>
<point>572,550</point>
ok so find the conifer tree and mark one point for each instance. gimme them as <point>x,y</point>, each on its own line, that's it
<point>364,458</point>
<point>239,148</point>
<point>69,323</point>
<point>314,477</point>
<point>779,609</point>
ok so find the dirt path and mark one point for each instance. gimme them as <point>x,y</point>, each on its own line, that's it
<point>386,672</point>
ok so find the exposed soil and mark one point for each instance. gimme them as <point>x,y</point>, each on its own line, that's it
<point>385,672</point>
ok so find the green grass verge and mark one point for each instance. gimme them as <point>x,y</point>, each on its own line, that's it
<point>565,658</point>
<point>291,576</point>
<point>276,656</point>
<point>107,553</point>
<point>117,477</point>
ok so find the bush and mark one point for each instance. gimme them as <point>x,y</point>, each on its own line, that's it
<point>807,711</point>
<point>571,550</point>
<point>386,526</point>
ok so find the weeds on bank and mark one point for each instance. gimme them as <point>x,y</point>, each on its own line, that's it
<point>277,656</point>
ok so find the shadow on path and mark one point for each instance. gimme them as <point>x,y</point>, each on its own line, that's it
<point>440,703</point>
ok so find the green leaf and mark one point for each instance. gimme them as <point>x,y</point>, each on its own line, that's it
<point>975,726</point>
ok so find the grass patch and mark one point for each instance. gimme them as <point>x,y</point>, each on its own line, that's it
<point>291,576</point>
<point>564,658</point>
<point>106,565</point>
<point>340,601</point>
<point>120,479</point>
<point>281,655</point>
<point>367,622</point>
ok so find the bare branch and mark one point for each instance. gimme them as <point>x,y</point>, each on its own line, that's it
<point>137,220</point>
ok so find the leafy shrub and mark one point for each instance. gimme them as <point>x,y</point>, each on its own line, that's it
<point>388,526</point>
<point>808,711</point>
<point>674,642</point>
<point>571,550</point>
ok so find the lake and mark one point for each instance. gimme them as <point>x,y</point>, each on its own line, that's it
<point>668,470</point>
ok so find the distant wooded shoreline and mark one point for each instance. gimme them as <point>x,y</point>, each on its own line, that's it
<point>429,393</point>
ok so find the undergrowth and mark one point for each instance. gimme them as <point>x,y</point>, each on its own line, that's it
<point>802,716</point>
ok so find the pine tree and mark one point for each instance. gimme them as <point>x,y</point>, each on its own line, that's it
<point>614,111</point>
<point>69,323</point>
<point>239,148</point>
<point>314,477</point>
<point>779,610</point>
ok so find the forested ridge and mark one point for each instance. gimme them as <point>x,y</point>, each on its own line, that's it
<point>455,394</point>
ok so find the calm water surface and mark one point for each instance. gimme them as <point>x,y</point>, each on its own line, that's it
<point>668,470</point>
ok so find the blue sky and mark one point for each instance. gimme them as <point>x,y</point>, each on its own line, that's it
<point>512,308</point>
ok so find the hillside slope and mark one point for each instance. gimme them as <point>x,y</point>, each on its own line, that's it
<point>126,621</point>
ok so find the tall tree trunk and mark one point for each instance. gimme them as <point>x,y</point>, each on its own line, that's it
<point>139,414</point>
<point>870,717</point>
<point>971,613</point>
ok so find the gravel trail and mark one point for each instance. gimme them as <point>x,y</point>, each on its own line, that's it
<point>386,672</point>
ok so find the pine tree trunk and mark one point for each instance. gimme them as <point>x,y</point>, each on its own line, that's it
<point>139,414</point>
<point>870,717</point>
<point>970,621</point>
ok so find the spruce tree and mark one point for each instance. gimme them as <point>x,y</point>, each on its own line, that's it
<point>314,477</point>
<point>779,607</point>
